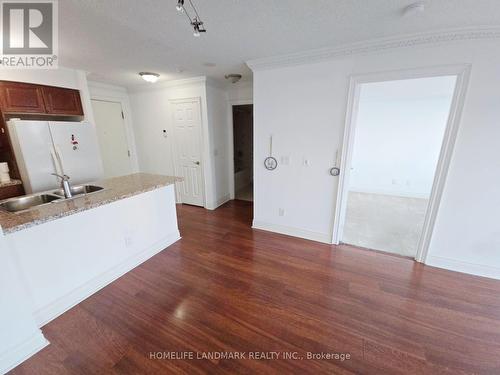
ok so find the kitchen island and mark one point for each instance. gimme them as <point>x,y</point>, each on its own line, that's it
<point>66,250</point>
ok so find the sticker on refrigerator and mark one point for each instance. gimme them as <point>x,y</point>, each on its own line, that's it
<point>74,142</point>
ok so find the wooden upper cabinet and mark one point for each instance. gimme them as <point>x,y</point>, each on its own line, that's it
<point>21,98</point>
<point>61,101</point>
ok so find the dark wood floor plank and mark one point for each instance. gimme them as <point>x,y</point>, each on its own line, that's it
<point>225,287</point>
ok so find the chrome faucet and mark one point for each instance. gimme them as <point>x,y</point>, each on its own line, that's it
<point>65,185</point>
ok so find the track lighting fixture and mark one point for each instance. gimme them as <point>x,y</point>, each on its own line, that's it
<point>195,21</point>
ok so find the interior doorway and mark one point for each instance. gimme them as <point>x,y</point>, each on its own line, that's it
<point>112,137</point>
<point>243,151</point>
<point>398,143</point>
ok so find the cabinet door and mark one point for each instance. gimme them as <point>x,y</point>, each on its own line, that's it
<point>21,98</point>
<point>4,136</point>
<point>61,101</point>
<point>11,191</point>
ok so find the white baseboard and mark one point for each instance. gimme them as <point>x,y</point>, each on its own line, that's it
<point>291,231</point>
<point>22,352</point>
<point>465,267</point>
<point>220,202</point>
<point>223,200</point>
<point>63,304</point>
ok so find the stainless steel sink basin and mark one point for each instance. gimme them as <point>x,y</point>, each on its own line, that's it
<point>27,202</point>
<point>79,190</point>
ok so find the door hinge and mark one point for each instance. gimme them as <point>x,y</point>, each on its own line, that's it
<point>123,116</point>
<point>128,152</point>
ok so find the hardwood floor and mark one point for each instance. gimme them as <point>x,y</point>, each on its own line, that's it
<point>227,288</point>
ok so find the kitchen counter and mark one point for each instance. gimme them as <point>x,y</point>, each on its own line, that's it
<point>114,189</point>
<point>68,250</point>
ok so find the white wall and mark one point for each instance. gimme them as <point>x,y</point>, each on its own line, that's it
<point>398,135</point>
<point>304,106</point>
<point>151,114</point>
<point>240,91</point>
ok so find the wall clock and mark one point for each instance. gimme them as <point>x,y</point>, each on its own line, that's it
<point>270,162</point>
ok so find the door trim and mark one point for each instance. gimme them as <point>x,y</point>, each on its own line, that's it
<point>462,72</point>
<point>173,149</point>
<point>230,144</point>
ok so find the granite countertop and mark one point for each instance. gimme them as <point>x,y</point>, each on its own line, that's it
<point>114,189</point>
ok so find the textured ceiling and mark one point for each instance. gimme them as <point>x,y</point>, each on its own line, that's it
<point>115,39</point>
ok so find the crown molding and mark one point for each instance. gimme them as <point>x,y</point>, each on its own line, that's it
<point>167,84</point>
<point>375,45</point>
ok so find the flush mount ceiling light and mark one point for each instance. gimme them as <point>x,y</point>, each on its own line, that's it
<point>195,21</point>
<point>149,77</point>
<point>414,9</point>
<point>233,77</point>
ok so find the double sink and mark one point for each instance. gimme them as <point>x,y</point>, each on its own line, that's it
<point>30,201</point>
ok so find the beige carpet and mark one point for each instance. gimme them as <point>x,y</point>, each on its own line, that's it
<point>384,222</point>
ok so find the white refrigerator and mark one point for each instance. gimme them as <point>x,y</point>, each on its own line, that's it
<point>45,147</point>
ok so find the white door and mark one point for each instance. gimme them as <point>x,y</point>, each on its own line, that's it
<point>112,138</point>
<point>188,150</point>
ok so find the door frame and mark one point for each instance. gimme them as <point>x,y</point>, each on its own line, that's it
<point>203,151</point>
<point>109,93</point>
<point>230,147</point>
<point>462,72</point>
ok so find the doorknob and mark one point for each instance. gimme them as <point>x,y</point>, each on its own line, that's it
<point>197,162</point>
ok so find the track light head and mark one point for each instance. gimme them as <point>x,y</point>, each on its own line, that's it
<point>198,27</point>
<point>180,6</point>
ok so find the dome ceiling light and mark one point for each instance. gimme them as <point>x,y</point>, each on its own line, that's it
<point>233,77</point>
<point>149,77</point>
<point>414,9</point>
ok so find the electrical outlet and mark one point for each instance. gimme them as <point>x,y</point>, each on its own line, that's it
<point>281,212</point>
